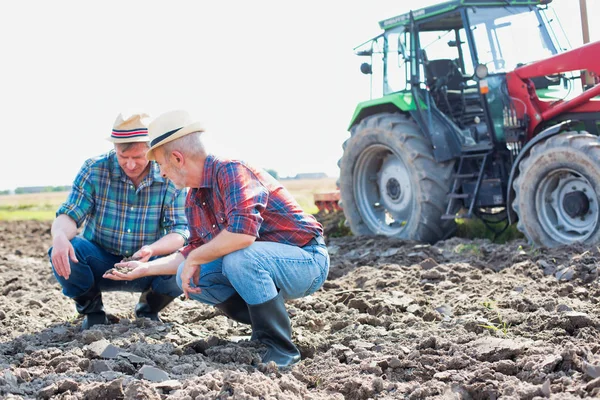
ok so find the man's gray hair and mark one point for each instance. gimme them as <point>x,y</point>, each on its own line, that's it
<point>190,145</point>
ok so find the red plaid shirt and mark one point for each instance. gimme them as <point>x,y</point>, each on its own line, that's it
<point>243,199</point>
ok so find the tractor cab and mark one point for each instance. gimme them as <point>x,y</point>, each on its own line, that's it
<point>455,55</point>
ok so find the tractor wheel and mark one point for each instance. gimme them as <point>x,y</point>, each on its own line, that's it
<point>390,183</point>
<point>558,189</point>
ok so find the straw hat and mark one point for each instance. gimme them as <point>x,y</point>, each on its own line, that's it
<point>130,128</point>
<point>168,127</point>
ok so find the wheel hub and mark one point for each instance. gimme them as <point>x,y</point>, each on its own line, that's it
<point>568,206</point>
<point>393,188</point>
<point>576,204</point>
<point>383,189</point>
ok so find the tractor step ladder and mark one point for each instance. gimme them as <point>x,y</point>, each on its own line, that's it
<point>458,178</point>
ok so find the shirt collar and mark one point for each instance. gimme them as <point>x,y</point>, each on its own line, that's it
<point>207,172</point>
<point>155,172</point>
<point>115,170</point>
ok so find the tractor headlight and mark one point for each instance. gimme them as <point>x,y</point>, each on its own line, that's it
<point>481,71</point>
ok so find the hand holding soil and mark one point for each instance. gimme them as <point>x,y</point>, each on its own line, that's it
<point>126,270</point>
<point>127,259</point>
<point>119,268</point>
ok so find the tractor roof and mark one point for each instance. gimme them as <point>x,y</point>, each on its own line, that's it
<point>448,6</point>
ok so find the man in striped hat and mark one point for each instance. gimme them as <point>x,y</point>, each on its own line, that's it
<point>126,210</point>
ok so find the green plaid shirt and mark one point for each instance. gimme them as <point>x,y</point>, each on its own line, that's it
<point>117,216</point>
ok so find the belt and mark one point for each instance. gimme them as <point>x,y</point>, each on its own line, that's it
<point>317,240</point>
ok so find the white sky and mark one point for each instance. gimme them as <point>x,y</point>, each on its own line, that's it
<point>275,82</point>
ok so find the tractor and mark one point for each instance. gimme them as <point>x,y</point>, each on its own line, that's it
<point>480,112</point>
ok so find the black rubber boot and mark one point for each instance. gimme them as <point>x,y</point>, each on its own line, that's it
<point>151,303</point>
<point>235,308</point>
<point>271,326</point>
<point>90,305</point>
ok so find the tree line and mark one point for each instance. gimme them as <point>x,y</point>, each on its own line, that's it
<point>37,189</point>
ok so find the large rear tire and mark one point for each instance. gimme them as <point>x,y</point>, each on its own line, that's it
<point>390,183</point>
<point>557,191</point>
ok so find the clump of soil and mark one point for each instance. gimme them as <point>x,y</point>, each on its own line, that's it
<point>395,320</point>
<point>121,269</point>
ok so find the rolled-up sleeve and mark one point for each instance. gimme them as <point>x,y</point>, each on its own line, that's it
<point>245,198</point>
<point>80,201</point>
<point>174,219</point>
<point>193,243</point>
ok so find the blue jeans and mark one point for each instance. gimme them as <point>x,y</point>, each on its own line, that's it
<point>262,269</point>
<point>94,262</point>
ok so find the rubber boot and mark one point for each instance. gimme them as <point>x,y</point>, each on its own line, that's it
<point>90,305</point>
<point>235,308</point>
<point>271,326</point>
<point>151,303</point>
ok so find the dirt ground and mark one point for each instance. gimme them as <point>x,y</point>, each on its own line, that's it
<point>395,320</point>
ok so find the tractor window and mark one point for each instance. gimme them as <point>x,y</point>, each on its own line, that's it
<point>444,54</point>
<point>377,74</point>
<point>397,57</point>
<point>436,44</point>
<point>508,37</point>
<point>443,45</point>
<point>555,30</point>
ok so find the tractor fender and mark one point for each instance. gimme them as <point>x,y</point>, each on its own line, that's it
<point>444,138</point>
<point>543,135</point>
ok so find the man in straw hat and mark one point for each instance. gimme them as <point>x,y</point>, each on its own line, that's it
<point>127,210</point>
<point>251,245</point>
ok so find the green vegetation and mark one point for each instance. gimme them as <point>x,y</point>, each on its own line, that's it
<point>42,189</point>
<point>27,215</point>
<point>467,248</point>
<point>31,206</point>
<point>532,251</point>
<point>497,324</point>
<point>20,212</point>
<point>341,229</point>
<point>489,304</point>
<point>500,326</point>
<point>497,232</point>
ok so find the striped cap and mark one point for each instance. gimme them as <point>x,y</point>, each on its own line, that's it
<point>130,128</point>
